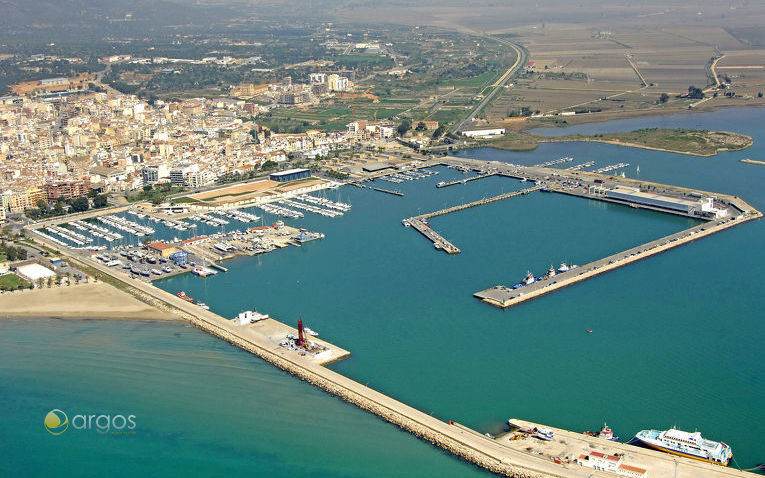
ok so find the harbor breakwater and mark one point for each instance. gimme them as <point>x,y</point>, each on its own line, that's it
<point>470,446</point>
<point>355,395</point>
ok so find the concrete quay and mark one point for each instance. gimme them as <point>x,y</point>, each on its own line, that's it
<point>504,297</point>
<point>464,180</point>
<point>567,446</point>
<point>437,239</point>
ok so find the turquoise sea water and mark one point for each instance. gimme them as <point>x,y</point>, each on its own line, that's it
<point>677,338</point>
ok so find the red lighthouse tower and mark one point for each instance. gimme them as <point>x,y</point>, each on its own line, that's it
<point>300,332</point>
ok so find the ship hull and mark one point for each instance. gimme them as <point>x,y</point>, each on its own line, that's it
<point>679,453</point>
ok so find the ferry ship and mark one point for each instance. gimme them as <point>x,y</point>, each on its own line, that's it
<point>691,445</point>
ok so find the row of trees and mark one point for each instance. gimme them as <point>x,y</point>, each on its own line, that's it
<point>64,206</point>
<point>12,253</point>
<point>59,280</point>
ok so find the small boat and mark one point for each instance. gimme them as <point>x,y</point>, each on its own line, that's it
<point>310,332</point>
<point>543,434</point>
<point>530,279</point>
<point>156,272</point>
<point>563,267</point>
<point>185,296</point>
<point>203,305</point>
<point>607,433</point>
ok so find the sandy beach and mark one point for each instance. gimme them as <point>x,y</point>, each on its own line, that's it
<point>95,300</point>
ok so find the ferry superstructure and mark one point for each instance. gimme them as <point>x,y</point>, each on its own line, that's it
<point>682,443</point>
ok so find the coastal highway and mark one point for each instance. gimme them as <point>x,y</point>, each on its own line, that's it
<point>484,451</point>
<point>498,85</point>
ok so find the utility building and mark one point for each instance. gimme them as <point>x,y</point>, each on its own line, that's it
<point>290,175</point>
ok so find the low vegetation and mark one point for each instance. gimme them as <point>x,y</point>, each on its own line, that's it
<point>684,141</point>
<point>10,282</point>
<point>156,194</point>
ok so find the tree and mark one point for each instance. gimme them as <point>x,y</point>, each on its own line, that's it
<point>33,213</point>
<point>421,126</point>
<point>695,93</point>
<point>80,204</point>
<point>663,98</point>
<point>405,126</point>
<point>759,95</point>
<point>99,201</point>
<point>438,132</point>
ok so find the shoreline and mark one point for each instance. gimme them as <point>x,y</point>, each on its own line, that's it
<point>527,146</point>
<point>94,300</point>
<point>625,144</point>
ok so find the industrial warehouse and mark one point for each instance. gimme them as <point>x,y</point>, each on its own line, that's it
<point>701,206</point>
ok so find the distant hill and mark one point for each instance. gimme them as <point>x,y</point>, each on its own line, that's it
<point>78,17</point>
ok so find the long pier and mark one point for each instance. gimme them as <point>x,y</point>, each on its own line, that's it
<point>388,191</point>
<point>464,180</point>
<point>505,297</point>
<point>437,239</point>
<point>480,202</point>
<point>420,222</point>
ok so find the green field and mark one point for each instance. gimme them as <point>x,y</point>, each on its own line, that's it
<point>475,81</point>
<point>13,282</point>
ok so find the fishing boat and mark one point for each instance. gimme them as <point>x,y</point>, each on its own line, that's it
<point>563,267</point>
<point>185,296</point>
<point>607,433</point>
<point>687,444</point>
<point>530,279</point>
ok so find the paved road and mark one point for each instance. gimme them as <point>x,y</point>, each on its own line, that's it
<point>498,85</point>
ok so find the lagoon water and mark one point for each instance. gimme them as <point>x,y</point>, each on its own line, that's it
<point>677,338</point>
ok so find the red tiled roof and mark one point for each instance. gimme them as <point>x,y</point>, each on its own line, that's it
<point>159,246</point>
<point>193,239</point>
<point>632,468</point>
